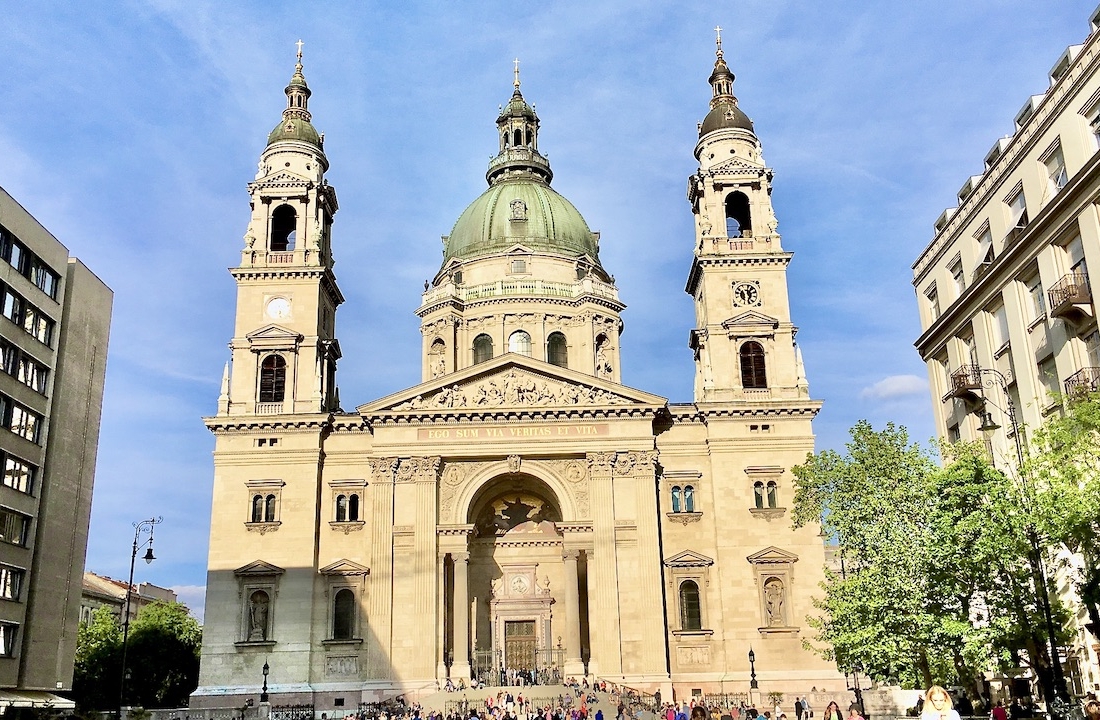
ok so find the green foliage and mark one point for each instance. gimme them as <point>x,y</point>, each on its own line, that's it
<point>936,581</point>
<point>162,658</point>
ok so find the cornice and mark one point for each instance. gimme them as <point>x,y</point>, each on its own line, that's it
<point>507,415</point>
<point>248,424</point>
<point>459,305</point>
<point>698,262</point>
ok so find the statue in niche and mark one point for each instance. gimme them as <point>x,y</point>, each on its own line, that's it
<point>436,364</point>
<point>603,364</point>
<point>774,596</point>
<point>257,616</point>
<point>519,210</point>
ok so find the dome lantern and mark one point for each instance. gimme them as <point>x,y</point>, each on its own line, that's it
<point>296,123</point>
<point>724,112</point>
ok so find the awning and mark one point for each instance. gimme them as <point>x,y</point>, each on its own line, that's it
<point>34,699</point>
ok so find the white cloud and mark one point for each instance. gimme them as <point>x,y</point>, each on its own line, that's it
<point>895,386</point>
<point>194,597</point>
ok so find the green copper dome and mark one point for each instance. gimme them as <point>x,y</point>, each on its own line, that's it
<point>524,211</point>
<point>295,129</point>
<point>296,124</point>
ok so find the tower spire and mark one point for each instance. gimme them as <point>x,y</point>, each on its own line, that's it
<point>518,128</point>
<point>718,40</point>
<point>515,82</point>
<point>296,122</point>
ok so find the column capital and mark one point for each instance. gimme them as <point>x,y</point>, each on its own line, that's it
<point>418,469</point>
<point>382,469</point>
<point>570,555</point>
<point>461,557</point>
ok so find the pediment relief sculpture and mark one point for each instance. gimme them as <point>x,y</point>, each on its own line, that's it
<point>515,389</point>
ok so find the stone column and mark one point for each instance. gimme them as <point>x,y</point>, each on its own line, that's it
<point>603,571</point>
<point>461,666</point>
<point>380,493</point>
<point>441,604</point>
<point>573,664</point>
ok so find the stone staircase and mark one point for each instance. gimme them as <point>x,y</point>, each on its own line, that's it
<point>543,694</point>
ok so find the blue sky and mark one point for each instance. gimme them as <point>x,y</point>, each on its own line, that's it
<point>130,132</point>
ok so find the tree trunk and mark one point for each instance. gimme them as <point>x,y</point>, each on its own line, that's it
<point>924,669</point>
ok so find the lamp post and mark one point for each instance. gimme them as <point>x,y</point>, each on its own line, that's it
<point>145,526</point>
<point>753,685</point>
<point>263,692</point>
<point>1058,694</point>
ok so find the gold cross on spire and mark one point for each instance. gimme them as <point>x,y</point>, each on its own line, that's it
<point>299,44</point>
<point>718,33</point>
<point>516,71</point>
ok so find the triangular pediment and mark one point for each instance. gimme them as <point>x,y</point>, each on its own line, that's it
<point>269,332</point>
<point>259,568</point>
<point>345,567</point>
<point>511,381</point>
<point>734,166</point>
<point>751,322</point>
<point>689,559</point>
<point>772,555</point>
<point>282,178</point>
<point>519,249</point>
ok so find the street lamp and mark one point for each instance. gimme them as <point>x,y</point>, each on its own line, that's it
<point>989,377</point>
<point>753,685</point>
<point>857,689</point>
<point>263,692</point>
<point>145,526</point>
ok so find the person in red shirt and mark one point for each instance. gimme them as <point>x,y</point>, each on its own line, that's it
<point>999,712</point>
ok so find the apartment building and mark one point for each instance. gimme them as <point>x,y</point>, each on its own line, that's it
<point>53,357</point>
<point>1007,314</point>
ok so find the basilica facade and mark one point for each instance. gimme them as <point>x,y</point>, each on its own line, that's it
<point>520,508</point>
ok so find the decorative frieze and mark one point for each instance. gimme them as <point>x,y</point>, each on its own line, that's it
<point>515,388</point>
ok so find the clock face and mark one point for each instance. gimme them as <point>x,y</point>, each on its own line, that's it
<point>278,308</point>
<point>746,294</point>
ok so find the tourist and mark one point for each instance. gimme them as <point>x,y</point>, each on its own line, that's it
<point>853,712</point>
<point>938,705</point>
<point>832,712</point>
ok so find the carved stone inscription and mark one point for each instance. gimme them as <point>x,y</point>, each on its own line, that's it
<point>342,666</point>
<point>514,432</point>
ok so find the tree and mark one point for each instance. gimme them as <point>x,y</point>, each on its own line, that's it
<point>98,659</point>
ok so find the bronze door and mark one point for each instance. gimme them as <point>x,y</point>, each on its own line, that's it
<point>519,645</point>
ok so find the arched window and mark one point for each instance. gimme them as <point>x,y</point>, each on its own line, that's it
<point>530,137</point>
<point>519,342</point>
<point>272,379</point>
<point>676,498</point>
<point>758,491</point>
<point>557,350</point>
<point>283,224</point>
<point>343,615</point>
<point>752,366</point>
<point>353,508</point>
<point>690,614</point>
<point>269,509</point>
<point>257,508</point>
<point>483,349</point>
<point>773,494</point>
<point>738,219</point>
<point>689,498</point>
<point>341,508</point>
<point>517,138</point>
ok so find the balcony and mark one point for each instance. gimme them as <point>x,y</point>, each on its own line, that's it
<point>1071,299</point>
<point>521,288</point>
<point>1083,382</point>
<point>275,408</point>
<point>965,383</point>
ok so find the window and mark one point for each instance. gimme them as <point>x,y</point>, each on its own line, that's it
<point>1048,378</point>
<point>519,342</point>
<point>985,250</point>
<point>758,493</point>
<point>752,366</point>
<point>11,582</point>
<point>341,508</point>
<point>483,349</point>
<point>690,610</point>
<point>13,307</point>
<point>284,222</point>
<point>18,475</point>
<point>7,639</point>
<point>1037,304</point>
<point>13,251</point>
<point>689,498</point>
<point>269,508</point>
<point>31,374</point>
<point>519,265</point>
<point>353,508</point>
<point>958,277</point>
<point>773,494</point>
<point>24,423</point>
<point>1017,211</point>
<point>953,434</point>
<point>1056,170</point>
<point>343,615</point>
<point>272,379</point>
<point>1000,327</point>
<point>37,324</point>
<point>9,357</point>
<point>1092,349</point>
<point>933,299</point>
<point>557,350</point>
<point>738,218</point>
<point>13,527</point>
<point>45,278</point>
<point>257,509</point>
<point>677,499</point>
<point>1075,258</point>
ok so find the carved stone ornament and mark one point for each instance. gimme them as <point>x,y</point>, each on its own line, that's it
<point>342,666</point>
<point>514,462</point>
<point>422,469</point>
<point>519,210</point>
<point>515,388</point>
<point>382,469</point>
<point>601,462</point>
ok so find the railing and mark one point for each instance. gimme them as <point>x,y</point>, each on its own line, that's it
<point>280,258</point>
<point>291,712</point>
<point>725,700</point>
<point>275,408</point>
<point>1083,382</point>
<point>965,381</point>
<point>519,288</point>
<point>1072,289</point>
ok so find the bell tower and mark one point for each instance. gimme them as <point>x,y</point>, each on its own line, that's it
<point>284,347</point>
<point>743,340</point>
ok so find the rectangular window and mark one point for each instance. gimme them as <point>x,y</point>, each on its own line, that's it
<point>13,307</point>
<point>38,325</point>
<point>985,248</point>
<point>1048,378</point>
<point>45,278</point>
<point>1037,304</point>
<point>953,434</point>
<point>958,277</point>
<point>24,422</point>
<point>18,474</point>
<point>9,357</point>
<point>16,255</point>
<point>7,639</point>
<point>1075,257</point>
<point>11,582</point>
<point>1056,170</point>
<point>13,527</point>
<point>1092,349</point>
<point>32,374</point>
<point>1000,327</point>
<point>1017,211</point>
<point>519,266</point>
<point>933,301</point>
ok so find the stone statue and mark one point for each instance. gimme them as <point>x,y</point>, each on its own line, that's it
<point>257,617</point>
<point>773,601</point>
<point>249,239</point>
<point>603,365</point>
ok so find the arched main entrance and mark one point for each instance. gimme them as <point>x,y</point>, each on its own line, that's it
<point>522,585</point>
